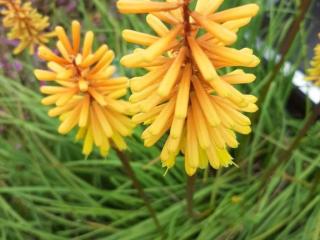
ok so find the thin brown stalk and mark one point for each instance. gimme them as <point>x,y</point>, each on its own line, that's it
<point>186,21</point>
<point>285,47</point>
<point>191,180</point>
<point>190,190</point>
<point>127,166</point>
<point>286,154</point>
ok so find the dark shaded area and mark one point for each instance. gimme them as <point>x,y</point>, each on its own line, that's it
<point>297,101</point>
<point>296,104</point>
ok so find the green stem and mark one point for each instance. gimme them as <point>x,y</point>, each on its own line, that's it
<point>285,47</point>
<point>189,197</point>
<point>127,166</point>
<point>190,190</point>
<point>286,154</point>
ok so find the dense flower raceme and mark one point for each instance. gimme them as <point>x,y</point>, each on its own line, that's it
<point>314,70</point>
<point>85,93</point>
<point>184,92</point>
<point>25,24</point>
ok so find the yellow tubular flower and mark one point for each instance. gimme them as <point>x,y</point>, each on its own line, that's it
<point>314,71</point>
<point>183,92</point>
<point>25,24</point>
<point>85,94</point>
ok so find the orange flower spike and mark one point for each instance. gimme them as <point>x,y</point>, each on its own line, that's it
<point>313,73</point>
<point>26,25</point>
<point>183,92</point>
<point>84,93</point>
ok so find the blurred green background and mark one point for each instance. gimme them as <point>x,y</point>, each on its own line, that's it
<point>48,190</point>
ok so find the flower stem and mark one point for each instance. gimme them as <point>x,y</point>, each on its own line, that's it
<point>190,179</point>
<point>285,47</point>
<point>186,19</point>
<point>286,154</point>
<point>127,166</point>
<point>189,195</point>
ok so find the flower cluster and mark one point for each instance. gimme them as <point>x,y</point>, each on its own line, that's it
<point>84,92</point>
<point>186,90</point>
<point>314,71</point>
<point>25,24</point>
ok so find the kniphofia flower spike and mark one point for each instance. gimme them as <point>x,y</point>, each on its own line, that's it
<point>184,91</point>
<point>84,92</point>
<point>26,25</point>
<point>314,71</point>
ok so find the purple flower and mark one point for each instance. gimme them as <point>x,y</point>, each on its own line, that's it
<point>61,2</point>
<point>17,65</point>
<point>71,7</point>
<point>56,51</point>
<point>4,63</point>
<point>12,43</point>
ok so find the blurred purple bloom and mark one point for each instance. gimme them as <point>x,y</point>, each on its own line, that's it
<point>4,63</point>
<point>56,51</point>
<point>10,68</point>
<point>62,2</point>
<point>69,5</point>
<point>12,43</point>
<point>17,65</point>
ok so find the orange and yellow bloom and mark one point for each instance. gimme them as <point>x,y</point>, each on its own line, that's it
<point>314,71</point>
<point>84,93</point>
<point>186,91</point>
<point>26,25</point>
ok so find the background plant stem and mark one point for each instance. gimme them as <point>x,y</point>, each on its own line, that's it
<point>284,50</point>
<point>286,154</point>
<point>127,166</point>
<point>285,47</point>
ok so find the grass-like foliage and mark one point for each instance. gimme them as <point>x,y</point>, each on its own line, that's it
<point>49,190</point>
